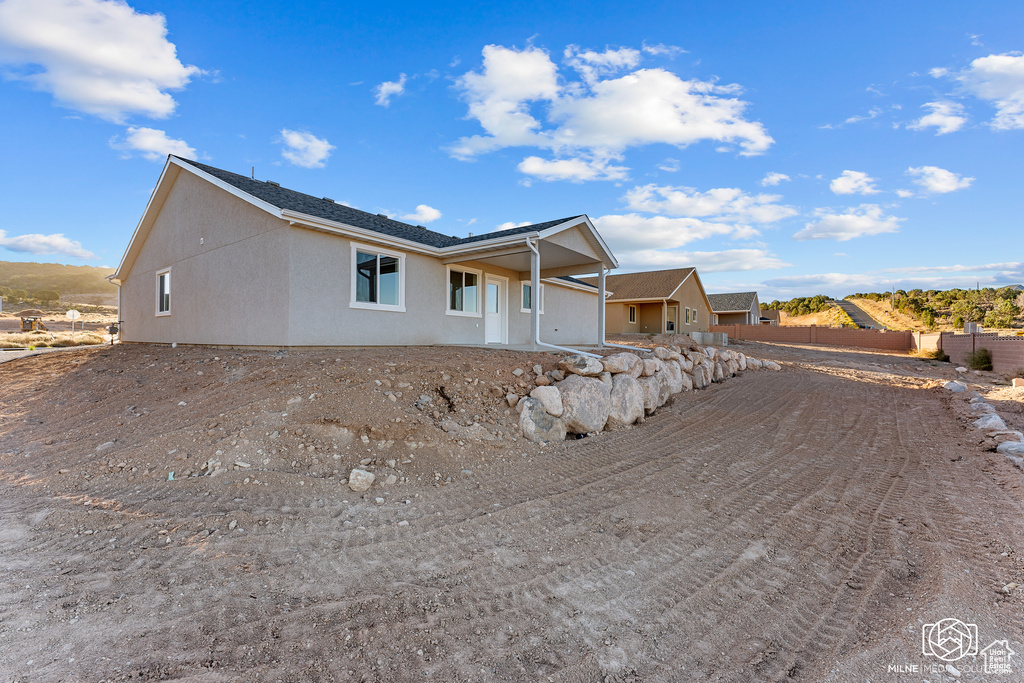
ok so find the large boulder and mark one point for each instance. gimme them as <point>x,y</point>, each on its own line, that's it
<point>753,363</point>
<point>586,402</point>
<point>578,364</point>
<point>661,353</point>
<point>538,424</point>
<point>685,364</point>
<point>623,362</point>
<point>674,376</point>
<point>732,367</point>
<point>1011,448</point>
<point>687,381</point>
<point>626,401</point>
<point>771,365</point>
<point>955,387</point>
<point>651,387</point>
<point>719,373</point>
<point>550,398</point>
<point>982,408</point>
<point>710,352</point>
<point>742,361</point>
<point>990,422</point>
<point>650,367</point>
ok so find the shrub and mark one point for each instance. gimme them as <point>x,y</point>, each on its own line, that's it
<point>958,323</point>
<point>46,295</point>
<point>980,359</point>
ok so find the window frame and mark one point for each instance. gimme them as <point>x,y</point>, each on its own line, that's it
<point>693,316</point>
<point>631,314</point>
<point>687,315</point>
<point>523,284</point>
<point>159,304</point>
<point>478,313</point>
<point>353,286</point>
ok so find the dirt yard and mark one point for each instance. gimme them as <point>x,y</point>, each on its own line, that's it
<point>800,525</point>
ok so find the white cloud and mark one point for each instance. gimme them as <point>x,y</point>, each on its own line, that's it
<point>424,214</point>
<point>508,225</point>
<point>388,89</point>
<point>519,100</point>
<point>854,182</point>
<point>305,149</point>
<point>724,203</point>
<point>99,57</point>
<point>662,49</point>
<point>575,170</point>
<point>45,244</point>
<point>903,194</point>
<point>729,260</point>
<point>945,116</point>
<point>593,65</point>
<point>939,277</point>
<point>632,232</point>
<point>872,113</point>
<point>774,178</point>
<point>152,144</point>
<point>938,180</point>
<point>998,79</point>
<point>866,219</point>
<point>670,165</point>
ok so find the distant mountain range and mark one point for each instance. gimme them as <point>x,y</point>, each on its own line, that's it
<point>33,277</point>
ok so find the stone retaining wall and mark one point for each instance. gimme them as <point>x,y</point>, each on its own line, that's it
<point>587,395</point>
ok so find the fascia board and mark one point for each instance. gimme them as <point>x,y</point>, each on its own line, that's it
<point>555,229</point>
<point>570,285</point>
<point>155,198</point>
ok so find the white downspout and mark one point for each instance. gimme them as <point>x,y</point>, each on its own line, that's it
<point>535,303</point>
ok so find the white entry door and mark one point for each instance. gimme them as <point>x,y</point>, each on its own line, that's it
<point>496,310</point>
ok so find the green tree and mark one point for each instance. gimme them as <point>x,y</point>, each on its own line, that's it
<point>46,295</point>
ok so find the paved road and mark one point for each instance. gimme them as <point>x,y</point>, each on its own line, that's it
<point>859,315</point>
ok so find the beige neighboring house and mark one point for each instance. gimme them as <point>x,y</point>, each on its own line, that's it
<point>771,316</point>
<point>220,258</point>
<point>736,308</point>
<point>656,301</point>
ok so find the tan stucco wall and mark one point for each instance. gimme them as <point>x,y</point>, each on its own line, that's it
<point>575,240</point>
<point>257,281</point>
<point>649,314</point>
<point>689,295</point>
<point>228,289</point>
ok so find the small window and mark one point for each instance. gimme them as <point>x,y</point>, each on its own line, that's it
<point>687,316</point>
<point>527,297</point>
<point>377,279</point>
<point>463,292</point>
<point>163,292</point>
<point>693,317</point>
<point>632,314</point>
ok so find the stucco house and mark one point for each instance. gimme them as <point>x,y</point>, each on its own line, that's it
<point>221,258</point>
<point>656,301</point>
<point>736,308</point>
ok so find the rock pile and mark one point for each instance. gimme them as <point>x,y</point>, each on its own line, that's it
<point>587,395</point>
<point>1009,442</point>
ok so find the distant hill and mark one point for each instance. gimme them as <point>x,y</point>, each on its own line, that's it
<point>1019,288</point>
<point>33,277</point>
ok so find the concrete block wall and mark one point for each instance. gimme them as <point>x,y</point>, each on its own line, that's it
<point>886,340</point>
<point>1007,352</point>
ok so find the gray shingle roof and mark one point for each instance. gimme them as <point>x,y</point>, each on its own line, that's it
<point>650,284</point>
<point>733,301</point>
<point>283,198</point>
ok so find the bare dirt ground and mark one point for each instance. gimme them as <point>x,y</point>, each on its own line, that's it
<point>796,525</point>
<point>829,318</point>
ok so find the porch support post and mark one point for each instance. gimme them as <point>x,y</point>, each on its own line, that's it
<point>664,316</point>
<point>600,307</point>
<point>535,297</point>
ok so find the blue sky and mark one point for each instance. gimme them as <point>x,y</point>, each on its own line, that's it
<point>791,148</point>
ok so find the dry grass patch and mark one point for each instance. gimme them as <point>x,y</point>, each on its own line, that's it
<point>17,340</point>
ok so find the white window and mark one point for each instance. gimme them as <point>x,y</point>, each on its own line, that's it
<point>693,317</point>
<point>163,292</point>
<point>378,279</point>
<point>687,316</point>
<point>527,298</point>
<point>632,314</point>
<point>463,291</point>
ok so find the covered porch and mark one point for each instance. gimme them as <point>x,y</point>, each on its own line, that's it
<point>541,260</point>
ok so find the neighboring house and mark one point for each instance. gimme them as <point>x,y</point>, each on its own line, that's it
<point>736,308</point>
<point>657,301</point>
<point>770,316</point>
<point>219,258</point>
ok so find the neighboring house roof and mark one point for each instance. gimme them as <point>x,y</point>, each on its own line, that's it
<point>328,209</point>
<point>653,284</point>
<point>733,302</point>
